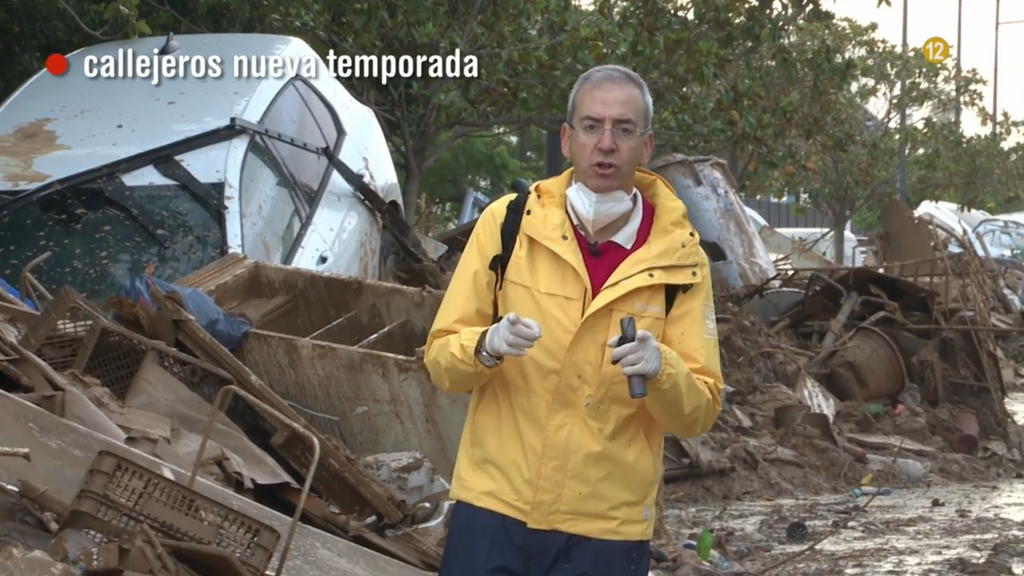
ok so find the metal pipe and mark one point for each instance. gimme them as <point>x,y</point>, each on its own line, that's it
<point>220,405</point>
<point>465,214</point>
<point>902,192</point>
<point>472,202</point>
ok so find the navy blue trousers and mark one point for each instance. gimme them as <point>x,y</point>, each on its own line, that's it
<point>485,543</point>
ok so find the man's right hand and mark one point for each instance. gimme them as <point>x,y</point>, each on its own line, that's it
<point>511,336</point>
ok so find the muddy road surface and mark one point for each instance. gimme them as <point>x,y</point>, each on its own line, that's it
<point>937,528</point>
<point>904,533</point>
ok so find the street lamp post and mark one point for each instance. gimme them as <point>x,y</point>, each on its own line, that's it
<point>902,191</point>
<point>959,63</point>
<point>995,76</point>
<point>995,72</point>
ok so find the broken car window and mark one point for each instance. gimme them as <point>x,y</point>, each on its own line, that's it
<point>96,245</point>
<point>270,220</point>
<point>298,111</point>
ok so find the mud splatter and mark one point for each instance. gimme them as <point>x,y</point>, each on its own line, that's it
<point>20,148</point>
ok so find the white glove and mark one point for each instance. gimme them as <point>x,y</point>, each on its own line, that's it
<point>639,358</point>
<point>511,336</point>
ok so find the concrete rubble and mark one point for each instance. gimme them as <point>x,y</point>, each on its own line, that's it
<point>136,442</point>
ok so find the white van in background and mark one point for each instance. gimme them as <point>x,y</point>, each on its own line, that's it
<point>815,240</point>
<point>819,241</point>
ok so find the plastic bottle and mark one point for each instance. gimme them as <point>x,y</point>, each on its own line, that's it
<point>869,491</point>
<point>911,396</point>
<point>874,409</point>
<point>909,470</point>
<point>719,561</point>
<point>705,542</point>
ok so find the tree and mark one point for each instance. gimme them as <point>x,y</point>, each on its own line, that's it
<point>725,76</point>
<point>28,34</point>
<point>737,86</point>
<point>486,164</point>
<point>533,51</point>
<point>31,31</point>
<point>979,171</point>
<point>849,159</point>
<point>700,57</point>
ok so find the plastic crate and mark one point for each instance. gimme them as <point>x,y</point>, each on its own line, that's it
<point>125,495</point>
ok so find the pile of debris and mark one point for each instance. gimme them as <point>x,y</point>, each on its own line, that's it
<point>166,382</point>
<point>172,432</point>
<point>899,371</point>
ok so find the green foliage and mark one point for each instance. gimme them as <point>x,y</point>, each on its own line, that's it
<point>846,161</point>
<point>724,80</point>
<point>979,171</point>
<point>494,166</point>
<point>701,58</point>
<point>486,163</point>
<point>521,48</point>
<point>780,89</point>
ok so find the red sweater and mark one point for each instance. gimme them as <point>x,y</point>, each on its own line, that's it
<point>601,266</point>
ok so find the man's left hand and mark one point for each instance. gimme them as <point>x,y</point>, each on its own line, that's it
<point>639,358</point>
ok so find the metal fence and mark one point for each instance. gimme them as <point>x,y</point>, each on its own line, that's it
<point>784,215</point>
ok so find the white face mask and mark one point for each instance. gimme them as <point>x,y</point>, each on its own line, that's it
<point>595,211</point>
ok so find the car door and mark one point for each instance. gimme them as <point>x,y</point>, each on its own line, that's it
<point>281,185</point>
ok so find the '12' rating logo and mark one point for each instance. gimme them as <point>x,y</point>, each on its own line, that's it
<point>935,50</point>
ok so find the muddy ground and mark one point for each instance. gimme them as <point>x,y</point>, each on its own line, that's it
<point>938,527</point>
<point>939,530</point>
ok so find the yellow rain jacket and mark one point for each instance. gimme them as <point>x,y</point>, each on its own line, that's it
<point>553,438</point>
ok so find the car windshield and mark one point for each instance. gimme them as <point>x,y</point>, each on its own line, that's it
<point>96,245</point>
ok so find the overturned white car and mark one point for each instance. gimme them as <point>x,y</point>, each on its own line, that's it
<point>112,175</point>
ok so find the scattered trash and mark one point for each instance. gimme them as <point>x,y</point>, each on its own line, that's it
<point>705,542</point>
<point>796,531</point>
<point>228,330</point>
<point>870,491</point>
<point>126,377</point>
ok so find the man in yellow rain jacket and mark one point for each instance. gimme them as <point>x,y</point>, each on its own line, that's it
<point>559,466</point>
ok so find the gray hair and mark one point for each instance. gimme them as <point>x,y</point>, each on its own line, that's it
<point>612,74</point>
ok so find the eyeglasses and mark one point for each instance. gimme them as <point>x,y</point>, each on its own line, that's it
<point>623,134</point>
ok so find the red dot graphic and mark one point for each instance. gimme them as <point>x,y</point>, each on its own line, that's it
<point>56,64</point>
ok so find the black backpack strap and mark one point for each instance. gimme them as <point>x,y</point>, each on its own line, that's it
<point>673,290</point>
<point>509,233</point>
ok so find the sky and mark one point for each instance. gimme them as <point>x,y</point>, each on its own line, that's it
<point>928,18</point>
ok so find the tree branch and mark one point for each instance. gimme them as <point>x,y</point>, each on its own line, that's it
<point>783,26</point>
<point>165,7</point>
<point>407,142</point>
<point>508,120</point>
<point>473,16</point>
<point>98,34</point>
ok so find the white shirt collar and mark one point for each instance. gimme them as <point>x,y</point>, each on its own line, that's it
<point>625,237</point>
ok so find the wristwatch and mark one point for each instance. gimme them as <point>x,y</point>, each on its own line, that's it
<point>483,356</point>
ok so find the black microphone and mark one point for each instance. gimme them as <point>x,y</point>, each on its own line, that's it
<point>594,250</point>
